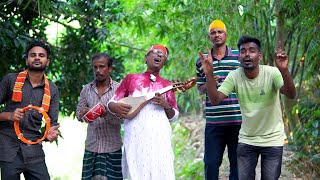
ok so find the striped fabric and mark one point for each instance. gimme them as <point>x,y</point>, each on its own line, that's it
<point>228,111</point>
<point>102,166</point>
<point>17,90</point>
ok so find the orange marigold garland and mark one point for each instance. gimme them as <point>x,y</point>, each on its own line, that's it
<point>17,90</point>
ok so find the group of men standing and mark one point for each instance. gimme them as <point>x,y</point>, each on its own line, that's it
<point>242,113</point>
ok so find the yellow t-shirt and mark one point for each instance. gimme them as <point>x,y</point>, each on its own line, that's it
<point>259,100</point>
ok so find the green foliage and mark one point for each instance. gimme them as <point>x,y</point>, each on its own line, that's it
<point>72,49</point>
<point>306,137</point>
<point>188,164</point>
<point>305,167</point>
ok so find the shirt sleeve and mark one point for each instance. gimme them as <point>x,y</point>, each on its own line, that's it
<point>201,77</point>
<point>228,85</point>
<point>171,98</point>
<point>82,103</point>
<point>277,80</point>
<point>54,106</point>
<point>123,89</point>
<point>176,115</point>
<point>4,88</point>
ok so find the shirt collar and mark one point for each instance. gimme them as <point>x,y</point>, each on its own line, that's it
<point>94,83</point>
<point>227,53</point>
<point>42,81</point>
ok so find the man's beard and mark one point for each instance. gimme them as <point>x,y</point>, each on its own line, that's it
<point>247,67</point>
<point>40,69</point>
<point>217,45</point>
<point>100,78</point>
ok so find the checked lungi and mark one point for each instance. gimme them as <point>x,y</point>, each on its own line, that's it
<point>102,166</point>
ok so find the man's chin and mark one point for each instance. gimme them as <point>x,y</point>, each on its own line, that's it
<point>218,44</point>
<point>248,67</point>
<point>100,79</point>
<point>37,69</point>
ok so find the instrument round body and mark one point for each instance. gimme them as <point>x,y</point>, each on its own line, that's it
<point>47,120</point>
<point>136,104</point>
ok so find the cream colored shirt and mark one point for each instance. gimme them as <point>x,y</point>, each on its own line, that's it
<point>259,100</point>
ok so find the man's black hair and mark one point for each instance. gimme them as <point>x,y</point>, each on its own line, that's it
<point>247,39</point>
<point>104,55</point>
<point>40,44</point>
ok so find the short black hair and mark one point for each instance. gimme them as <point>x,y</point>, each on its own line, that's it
<point>40,44</point>
<point>104,55</point>
<point>247,39</point>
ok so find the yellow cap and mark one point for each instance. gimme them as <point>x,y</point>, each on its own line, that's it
<point>218,24</point>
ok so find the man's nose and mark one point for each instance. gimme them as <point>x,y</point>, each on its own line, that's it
<point>160,55</point>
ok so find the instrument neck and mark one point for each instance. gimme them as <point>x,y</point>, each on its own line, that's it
<point>161,91</point>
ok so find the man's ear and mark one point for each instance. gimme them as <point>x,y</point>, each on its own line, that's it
<point>260,56</point>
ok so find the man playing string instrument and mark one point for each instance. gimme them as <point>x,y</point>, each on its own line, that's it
<point>18,90</point>
<point>147,136</point>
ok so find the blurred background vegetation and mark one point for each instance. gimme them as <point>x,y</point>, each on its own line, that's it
<point>76,29</point>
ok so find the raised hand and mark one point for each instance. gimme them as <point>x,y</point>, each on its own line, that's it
<point>206,62</point>
<point>281,58</point>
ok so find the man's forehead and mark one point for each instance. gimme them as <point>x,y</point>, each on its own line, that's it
<point>248,45</point>
<point>37,48</point>
<point>216,29</point>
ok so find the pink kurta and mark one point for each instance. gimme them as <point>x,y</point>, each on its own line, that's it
<point>147,137</point>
